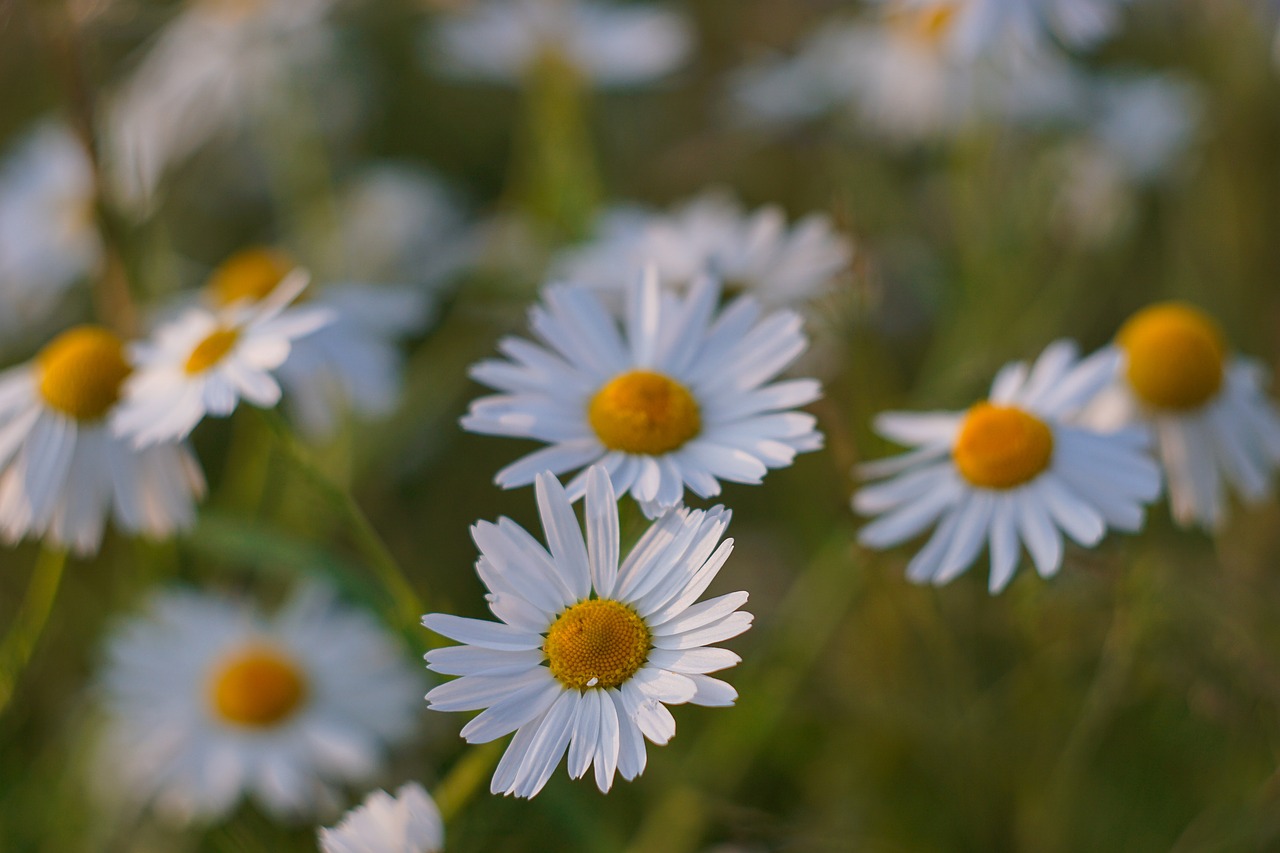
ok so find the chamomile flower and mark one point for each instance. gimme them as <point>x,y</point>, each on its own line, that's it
<point>218,65</point>
<point>675,398</point>
<point>588,653</point>
<point>756,252</point>
<point>351,363</point>
<point>49,239</point>
<point>1213,422</point>
<point>409,822</point>
<point>1011,470</point>
<point>209,699</point>
<point>64,471</point>
<point>608,44</point>
<point>204,362</point>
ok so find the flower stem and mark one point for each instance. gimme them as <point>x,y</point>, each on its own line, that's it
<point>29,624</point>
<point>408,605</point>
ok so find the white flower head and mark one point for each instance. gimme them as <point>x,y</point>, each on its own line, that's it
<point>409,822</point>
<point>49,239</point>
<point>204,362</point>
<point>209,699</point>
<point>588,653</point>
<point>1213,422</point>
<point>675,398</point>
<point>1012,470</point>
<point>64,471</point>
<point>608,44</point>
<point>216,65</point>
<point>756,252</point>
<point>975,27</point>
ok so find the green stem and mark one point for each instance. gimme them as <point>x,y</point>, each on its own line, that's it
<point>409,605</point>
<point>465,779</point>
<point>33,615</point>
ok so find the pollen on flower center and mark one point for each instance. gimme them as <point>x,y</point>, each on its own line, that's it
<point>81,371</point>
<point>250,274</point>
<point>211,350</point>
<point>1000,447</point>
<point>644,412</point>
<point>1175,355</point>
<point>596,643</point>
<point>257,687</point>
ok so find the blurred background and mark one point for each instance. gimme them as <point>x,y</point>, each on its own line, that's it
<point>999,189</point>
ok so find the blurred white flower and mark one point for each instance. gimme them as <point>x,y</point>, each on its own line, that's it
<point>409,822</point>
<point>209,699</point>
<point>976,27</point>
<point>608,44</point>
<point>63,470</point>
<point>49,239</point>
<point>1213,421</point>
<point>900,78</point>
<point>1012,470</point>
<point>754,252</point>
<point>204,362</point>
<point>621,639</point>
<point>400,224</point>
<point>681,396</point>
<point>217,65</point>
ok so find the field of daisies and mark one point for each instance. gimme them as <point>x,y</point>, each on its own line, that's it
<point>638,426</point>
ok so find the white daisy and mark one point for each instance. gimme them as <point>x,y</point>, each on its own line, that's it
<point>1012,469</point>
<point>712,235</point>
<point>976,27</point>
<point>217,65</point>
<point>901,79</point>
<point>1213,422</point>
<point>608,44</point>
<point>63,471</point>
<point>208,699</point>
<point>204,362</point>
<point>675,398</point>
<point>618,643</point>
<point>409,822</point>
<point>49,239</point>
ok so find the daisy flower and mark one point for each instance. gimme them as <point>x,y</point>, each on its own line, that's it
<point>756,252</point>
<point>676,397</point>
<point>588,653</point>
<point>49,239</point>
<point>204,362</point>
<point>1213,422</point>
<point>209,699</point>
<point>215,67</point>
<point>1011,470</point>
<point>608,44</point>
<point>975,27</point>
<point>409,822</point>
<point>64,471</point>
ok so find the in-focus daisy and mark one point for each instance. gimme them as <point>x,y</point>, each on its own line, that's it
<point>63,470</point>
<point>218,65</point>
<point>588,653</point>
<point>1012,470</point>
<point>48,236</point>
<point>204,362</point>
<point>676,397</point>
<point>209,699</point>
<point>608,44</point>
<point>756,252</point>
<point>409,822</point>
<point>1213,422</point>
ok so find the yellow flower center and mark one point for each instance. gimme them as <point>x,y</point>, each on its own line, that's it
<point>258,688</point>
<point>596,643</point>
<point>644,412</point>
<point>1176,354</point>
<point>1000,447</point>
<point>927,24</point>
<point>211,350</point>
<point>250,274</point>
<point>81,371</point>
